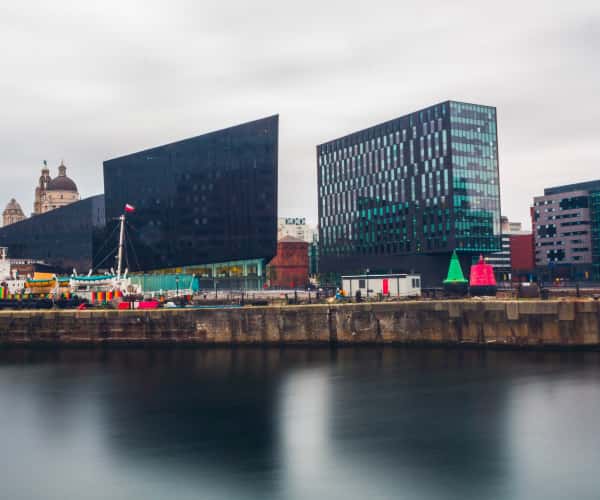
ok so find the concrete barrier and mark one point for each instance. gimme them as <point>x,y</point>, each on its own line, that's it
<point>461,322</point>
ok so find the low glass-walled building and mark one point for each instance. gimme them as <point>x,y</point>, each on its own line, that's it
<point>201,201</point>
<point>237,275</point>
<point>64,238</point>
<point>402,195</point>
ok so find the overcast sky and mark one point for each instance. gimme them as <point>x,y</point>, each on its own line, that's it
<point>88,81</point>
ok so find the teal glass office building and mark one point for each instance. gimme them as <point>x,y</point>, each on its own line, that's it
<point>402,195</point>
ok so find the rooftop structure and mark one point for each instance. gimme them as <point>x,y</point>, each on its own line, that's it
<point>578,186</point>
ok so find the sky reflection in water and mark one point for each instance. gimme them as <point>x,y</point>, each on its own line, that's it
<point>299,423</point>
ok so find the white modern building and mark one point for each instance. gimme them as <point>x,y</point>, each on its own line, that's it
<point>296,227</point>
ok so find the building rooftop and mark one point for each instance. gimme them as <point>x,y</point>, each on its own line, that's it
<point>567,188</point>
<point>414,114</point>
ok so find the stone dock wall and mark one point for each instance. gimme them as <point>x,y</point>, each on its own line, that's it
<point>470,322</point>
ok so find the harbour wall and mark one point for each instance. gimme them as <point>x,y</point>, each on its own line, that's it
<point>527,323</point>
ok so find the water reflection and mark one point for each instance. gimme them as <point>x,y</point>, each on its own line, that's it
<point>298,423</point>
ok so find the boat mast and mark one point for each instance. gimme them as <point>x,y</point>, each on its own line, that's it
<point>121,240</point>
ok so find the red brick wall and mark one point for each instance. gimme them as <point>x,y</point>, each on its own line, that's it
<point>522,257</point>
<point>289,268</point>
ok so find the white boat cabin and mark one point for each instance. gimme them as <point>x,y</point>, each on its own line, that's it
<point>388,285</point>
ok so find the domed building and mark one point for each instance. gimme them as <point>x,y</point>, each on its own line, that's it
<point>54,193</point>
<point>12,213</point>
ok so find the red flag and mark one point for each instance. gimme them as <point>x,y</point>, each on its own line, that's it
<point>129,208</point>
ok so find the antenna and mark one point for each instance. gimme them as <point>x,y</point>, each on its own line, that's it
<point>121,241</point>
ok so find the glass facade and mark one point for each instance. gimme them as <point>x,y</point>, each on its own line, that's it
<point>238,275</point>
<point>424,183</point>
<point>63,238</point>
<point>211,198</point>
<point>475,178</point>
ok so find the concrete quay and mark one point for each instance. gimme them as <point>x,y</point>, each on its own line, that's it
<point>490,323</point>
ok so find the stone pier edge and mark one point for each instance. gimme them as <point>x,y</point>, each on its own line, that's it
<point>484,323</point>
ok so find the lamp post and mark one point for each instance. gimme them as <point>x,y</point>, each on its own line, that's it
<point>177,285</point>
<point>367,273</point>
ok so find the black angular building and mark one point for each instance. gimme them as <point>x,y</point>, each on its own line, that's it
<point>402,195</point>
<point>204,200</point>
<point>63,238</point>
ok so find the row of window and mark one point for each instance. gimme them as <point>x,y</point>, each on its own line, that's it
<point>431,185</point>
<point>467,111</point>
<point>387,132</point>
<point>386,159</point>
<point>560,243</point>
<point>384,145</point>
<point>366,177</point>
<point>388,248</point>
<point>564,216</point>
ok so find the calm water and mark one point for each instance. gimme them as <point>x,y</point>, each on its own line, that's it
<point>299,424</point>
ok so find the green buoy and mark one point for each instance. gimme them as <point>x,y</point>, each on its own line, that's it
<point>455,273</point>
<point>455,283</point>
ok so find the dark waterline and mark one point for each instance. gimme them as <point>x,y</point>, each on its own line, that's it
<point>352,423</point>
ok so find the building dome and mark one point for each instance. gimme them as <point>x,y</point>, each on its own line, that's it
<point>12,213</point>
<point>13,208</point>
<point>62,182</point>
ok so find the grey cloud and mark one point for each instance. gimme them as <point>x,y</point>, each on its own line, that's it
<point>88,82</point>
